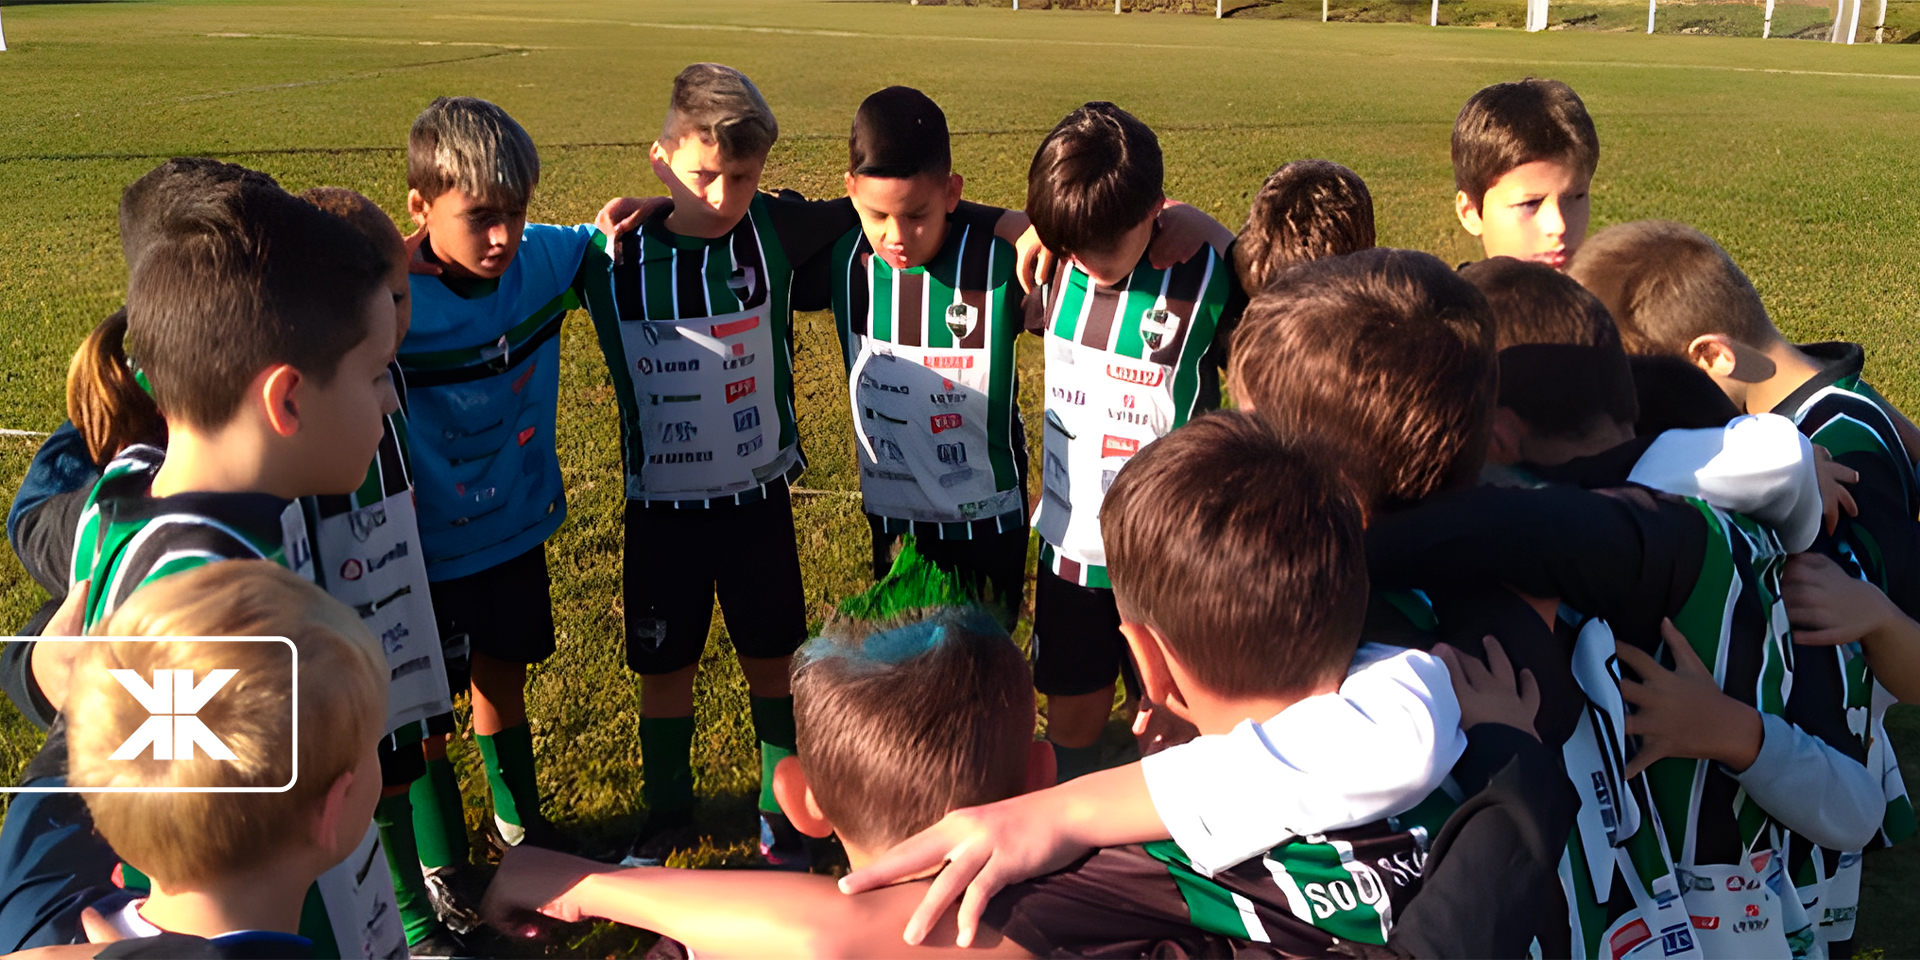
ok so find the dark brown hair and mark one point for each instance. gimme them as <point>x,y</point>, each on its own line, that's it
<point>146,201</point>
<point>1667,284</point>
<point>899,133</point>
<point>471,145</point>
<point>1510,124</point>
<point>900,721</point>
<point>1306,210</point>
<point>1244,550</point>
<point>365,216</point>
<point>1389,351</point>
<point>1561,363</point>
<point>1096,176</point>
<point>721,106</point>
<point>237,281</point>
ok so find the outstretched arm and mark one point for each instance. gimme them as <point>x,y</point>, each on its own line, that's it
<point>1829,608</point>
<point>720,913</point>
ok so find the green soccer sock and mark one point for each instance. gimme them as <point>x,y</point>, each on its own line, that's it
<point>666,762</point>
<point>509,761</point>
<point>439,822</point>
<point>773,723</point>
<point>394,817</point>
<point>1074,762</point>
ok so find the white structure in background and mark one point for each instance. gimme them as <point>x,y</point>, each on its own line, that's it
<point>1537,15</point>
<point>1434,19</point>
<point>3,36</point>
<point>1650,4</point>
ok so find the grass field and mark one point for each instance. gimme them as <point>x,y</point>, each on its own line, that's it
<point>1798,157</point>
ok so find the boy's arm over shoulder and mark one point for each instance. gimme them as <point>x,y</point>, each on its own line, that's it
<point>808,229</point>
<point>1376,748</point>
<point>1760,465</point>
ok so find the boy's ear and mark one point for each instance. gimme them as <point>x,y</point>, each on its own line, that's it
<point>1043,768</point>
<point>955,184</point>
<point>1467,211</point>
<point>795,795</point>
<point>1150,657</point>
<point>275,387</point>
<point>1724,358</point>
<point>1507,434</point>
<point>417,208</point>
<point>332,812</point>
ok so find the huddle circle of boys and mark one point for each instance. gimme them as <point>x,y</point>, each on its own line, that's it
<point>1546,606</point>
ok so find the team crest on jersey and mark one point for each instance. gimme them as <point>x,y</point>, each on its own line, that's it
<point>1157,326</point>
<point>962,320</point>
<point>366,520</point>
<point>741,282</point>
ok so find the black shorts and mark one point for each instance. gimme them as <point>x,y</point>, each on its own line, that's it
<point>401,765</point>
<point>504,611</point>
<point>1077,646</point>
<point>676,560</point>
<point>996,559</point>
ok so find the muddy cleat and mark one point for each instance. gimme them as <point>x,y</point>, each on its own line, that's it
<point>664,835</point>
<point>455,892</point>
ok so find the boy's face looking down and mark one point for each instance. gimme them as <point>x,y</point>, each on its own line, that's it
<point>471,237</point>
<point>1110,266</point>
<point>905,218</point>
<point>1537,211</point>
<point>710,191</point>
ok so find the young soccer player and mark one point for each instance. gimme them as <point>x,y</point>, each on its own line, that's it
<point>1524,154</point>
<point>927,306</point>
<point>1675,292</point>
<point>482,365</point>
<point>1221,501</point>
<point>1305,210</point>
<point>234,867</point>
<point>1444,366</point>
<point>1132,351</point>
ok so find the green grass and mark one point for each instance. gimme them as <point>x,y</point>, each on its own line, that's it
<point>1797,156</point>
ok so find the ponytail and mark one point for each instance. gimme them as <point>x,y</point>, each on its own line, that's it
<point>105,399</point>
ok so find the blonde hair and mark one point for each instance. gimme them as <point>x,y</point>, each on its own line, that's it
<point>471,145</point>
<point>183,838</point>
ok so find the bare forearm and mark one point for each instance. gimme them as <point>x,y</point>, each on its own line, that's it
<point>1105,809</point>
<point>1893,650</point>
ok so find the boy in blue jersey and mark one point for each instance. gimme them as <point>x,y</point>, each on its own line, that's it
<point>482,364</point>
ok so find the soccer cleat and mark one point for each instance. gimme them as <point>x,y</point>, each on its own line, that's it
<point>537,832</point>
<point>510,833</point>
<point>454,892</point>
<point>442,943</point>
<point>782,845</point>
<point>664,834</point>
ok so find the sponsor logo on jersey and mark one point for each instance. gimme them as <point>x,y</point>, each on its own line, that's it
<point>1127,416</point>
<point>887,449</point>
<point>951,453</point>
<point>1675,939</point>
<point>366,520</point>
<point>1628,937</point>
<point>391,637</point>
<point>867,380</point>
<point>657,399</point>
<point>1076,398</point>
<point>739,388</point>
<point>173,727</point>
<point>649,366</point>
<point>1157,324</point>
<point>873,414</point>
<point>948,361</point>
<point>1750,926</point>
<point>738,359</point>
<point>1705,923</point>
<point>1603,796</point>
<point>942,422</point>
<point>957,477</point>
<point>694,456</point>
<point>520,382</point>
<point>741,281</point>
<point>353,569</point>
<point>742,449</point>
<point>1737,884</point>
<point>947,399</point>
<point>1112,446</point>
<point>525,435</point>
<point>724,330</point>
<point>300,552</point>
<point>962,319</point>
<point>681,432</point>
<point>745,420</point>
<point>1760,861</point>
<point>1339,896</point>
<point>1841,914</point>
<point>887,474</point>
<point>1145,378</point>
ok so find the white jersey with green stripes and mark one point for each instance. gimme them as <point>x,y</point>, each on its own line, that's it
<point>929,355</point>
<point>1125,364</point>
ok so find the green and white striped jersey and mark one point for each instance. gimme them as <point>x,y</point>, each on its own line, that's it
<point>128,538</point>
<point>1125,364</point>
<point>929,355</point>
<point>698,335</point>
